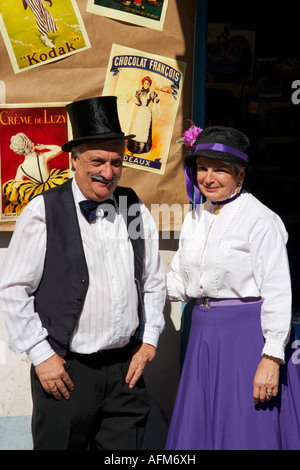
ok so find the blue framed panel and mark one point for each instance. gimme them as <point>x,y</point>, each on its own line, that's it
<point>199,118</point>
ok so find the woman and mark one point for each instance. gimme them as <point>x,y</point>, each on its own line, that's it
<point>33,176</point>
<point>142,126</point>
<point>239,387</point>
<point>44,20</point>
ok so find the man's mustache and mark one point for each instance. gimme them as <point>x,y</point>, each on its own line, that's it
<point>101,178</point>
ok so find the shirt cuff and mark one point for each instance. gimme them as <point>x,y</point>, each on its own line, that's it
<point>148,335</point>
<point>40,352</point>
<point>274,349</point>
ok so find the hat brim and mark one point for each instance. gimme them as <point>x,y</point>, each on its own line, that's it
<point>67,147</point>
<point>191,159</point>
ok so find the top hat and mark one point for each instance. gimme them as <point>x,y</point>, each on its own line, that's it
<point>222,143</point>
<point>94,119</point>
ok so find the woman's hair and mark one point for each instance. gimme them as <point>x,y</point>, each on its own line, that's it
<point>20,144</point>
<point>146,78</point>
<point>236,166</point>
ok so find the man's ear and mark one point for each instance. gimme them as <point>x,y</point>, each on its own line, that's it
<point>74,158</point>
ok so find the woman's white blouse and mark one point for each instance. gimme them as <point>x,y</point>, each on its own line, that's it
<point>241,252</point>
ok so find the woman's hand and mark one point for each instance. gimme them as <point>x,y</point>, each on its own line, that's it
<point>266,379</point>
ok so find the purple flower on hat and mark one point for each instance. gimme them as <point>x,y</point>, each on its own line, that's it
<point>189,136</point>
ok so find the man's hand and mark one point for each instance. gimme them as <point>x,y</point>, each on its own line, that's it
<point>142,354</point>
<point>54,378</point>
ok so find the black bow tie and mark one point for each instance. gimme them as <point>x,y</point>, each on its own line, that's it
<point>89,208</point>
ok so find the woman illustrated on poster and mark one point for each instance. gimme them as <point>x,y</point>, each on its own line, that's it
<point>138,3</point>
<point>44,20</point>
<point>33,175</point>
<point>142,125</point>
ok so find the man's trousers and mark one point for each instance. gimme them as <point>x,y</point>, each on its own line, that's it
<point>102,412</point>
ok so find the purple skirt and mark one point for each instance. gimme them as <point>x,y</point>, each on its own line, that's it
<point>214,408</point>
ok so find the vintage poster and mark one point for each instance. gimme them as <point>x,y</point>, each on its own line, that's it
<point>148,88</point>
<point>37,32</point>
<point>31,159</point>
<point>147,13</point>
<point>230,53</point>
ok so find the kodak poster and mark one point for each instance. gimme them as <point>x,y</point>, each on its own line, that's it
<point>37,32</point>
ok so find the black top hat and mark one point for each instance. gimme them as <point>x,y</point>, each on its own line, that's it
<point>222,143</point>
<point>94,119</point>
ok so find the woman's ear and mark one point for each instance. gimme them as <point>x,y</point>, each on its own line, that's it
<point>241,176</point>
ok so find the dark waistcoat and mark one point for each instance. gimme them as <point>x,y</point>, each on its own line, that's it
<point>60,296</point>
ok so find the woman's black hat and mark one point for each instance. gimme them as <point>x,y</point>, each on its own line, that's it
<point>222,143</point>
<point>94,119</point>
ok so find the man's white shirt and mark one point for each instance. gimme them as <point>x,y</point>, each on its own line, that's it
<point>109,316</point>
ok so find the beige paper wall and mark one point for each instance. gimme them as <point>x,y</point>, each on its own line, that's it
<point>82,75</point>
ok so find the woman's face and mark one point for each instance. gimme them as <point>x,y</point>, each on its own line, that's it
<point>146,84</point>
<point>216,179</point>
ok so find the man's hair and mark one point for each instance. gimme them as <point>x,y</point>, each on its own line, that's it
<point>78,149</point>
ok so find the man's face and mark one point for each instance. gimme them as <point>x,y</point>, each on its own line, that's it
<point>98,159</point>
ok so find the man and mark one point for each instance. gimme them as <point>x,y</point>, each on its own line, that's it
<point>69,296</point>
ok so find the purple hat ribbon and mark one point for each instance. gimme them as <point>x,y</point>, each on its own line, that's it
<point>192,189</point>
<point>223,148</point>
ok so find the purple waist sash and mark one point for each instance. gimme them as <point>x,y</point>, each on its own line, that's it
<point>209,302</point>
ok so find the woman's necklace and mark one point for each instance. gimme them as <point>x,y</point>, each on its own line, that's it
<point>217,205</point>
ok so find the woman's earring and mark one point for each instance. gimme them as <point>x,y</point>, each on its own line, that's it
<point>239,186</point>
